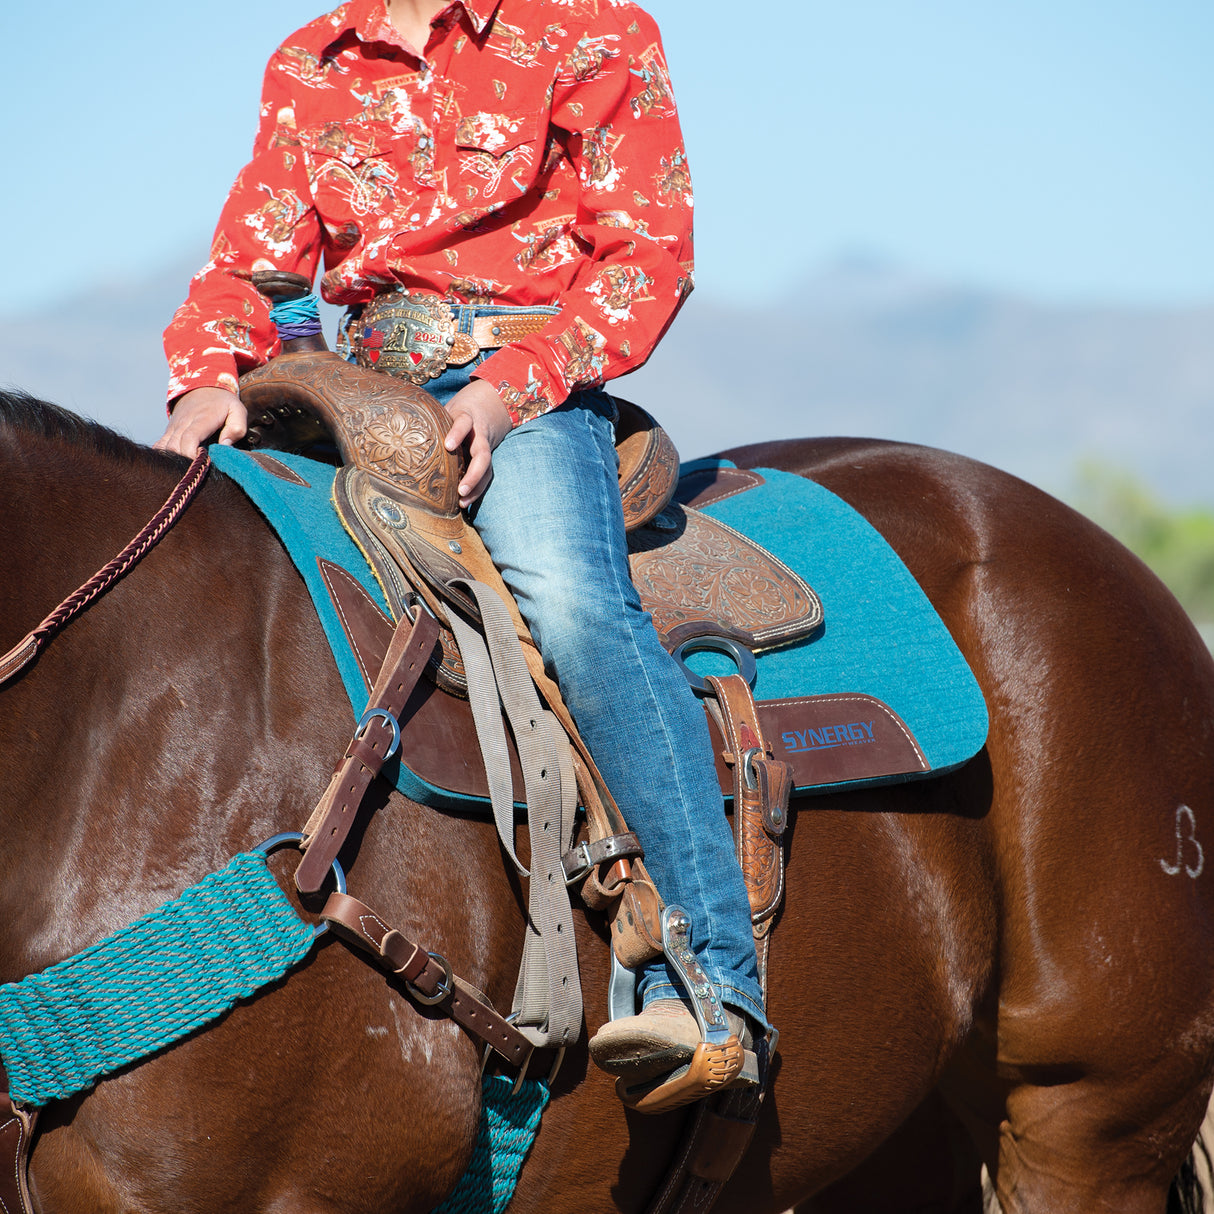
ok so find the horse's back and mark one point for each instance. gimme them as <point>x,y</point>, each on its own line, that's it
<point>1019,947</point>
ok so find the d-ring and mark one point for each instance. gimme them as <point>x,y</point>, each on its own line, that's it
<point>290,838</point>
<point>742,657</point>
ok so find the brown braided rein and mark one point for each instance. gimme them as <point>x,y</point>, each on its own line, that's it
<point>29,646</point>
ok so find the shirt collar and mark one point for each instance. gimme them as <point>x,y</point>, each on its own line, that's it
<point>368,19</point>
<point>480,13</point>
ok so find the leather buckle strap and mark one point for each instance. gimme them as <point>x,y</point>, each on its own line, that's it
<point>375,739</point>
<point>589,854</point>
<point>428,978</point>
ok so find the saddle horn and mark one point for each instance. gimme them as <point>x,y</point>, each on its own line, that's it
<point>384,426</point>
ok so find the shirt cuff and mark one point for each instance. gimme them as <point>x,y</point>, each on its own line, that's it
<point>217,371</point>
<point>525,386</point>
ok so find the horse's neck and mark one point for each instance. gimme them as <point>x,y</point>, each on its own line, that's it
<point>155,718</point>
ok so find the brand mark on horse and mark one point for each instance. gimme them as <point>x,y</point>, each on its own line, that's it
<point>1185,817</point>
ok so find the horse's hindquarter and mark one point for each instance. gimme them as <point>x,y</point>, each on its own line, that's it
<point>188,714</point>
<point>1082,827</point>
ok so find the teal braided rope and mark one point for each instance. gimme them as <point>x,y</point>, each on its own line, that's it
<point>508,1126</point>
<point>151,983</point>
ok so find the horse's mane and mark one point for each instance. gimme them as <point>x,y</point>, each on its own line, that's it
<point>21,413</point>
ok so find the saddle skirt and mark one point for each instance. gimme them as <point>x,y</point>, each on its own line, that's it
<point>870,690</point>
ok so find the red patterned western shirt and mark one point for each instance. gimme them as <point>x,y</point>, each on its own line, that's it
<point>531,156</point>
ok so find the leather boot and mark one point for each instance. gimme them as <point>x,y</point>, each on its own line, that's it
<point>658,1040</point>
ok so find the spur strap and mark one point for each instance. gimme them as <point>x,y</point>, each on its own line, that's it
<point>375,740</point>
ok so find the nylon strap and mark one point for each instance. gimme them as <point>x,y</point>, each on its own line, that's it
<point>548,996</point>
<point>486,708</point>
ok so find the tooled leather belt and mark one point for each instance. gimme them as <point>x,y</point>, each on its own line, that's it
<point>415,335</point>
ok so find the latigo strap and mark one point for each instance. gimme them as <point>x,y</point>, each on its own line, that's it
<point>373,743</point>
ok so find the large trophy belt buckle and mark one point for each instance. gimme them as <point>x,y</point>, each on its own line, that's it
<point>409,334</point>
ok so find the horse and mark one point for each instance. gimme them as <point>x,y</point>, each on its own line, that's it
<point>1010,965</point>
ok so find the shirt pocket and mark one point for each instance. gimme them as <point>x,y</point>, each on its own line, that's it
<point>499,156</point>
<point>353,170</point>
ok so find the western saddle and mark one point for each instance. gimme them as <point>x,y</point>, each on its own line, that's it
<point>456,623</point>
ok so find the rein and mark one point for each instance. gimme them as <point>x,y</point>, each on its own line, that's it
<point>31,644</point>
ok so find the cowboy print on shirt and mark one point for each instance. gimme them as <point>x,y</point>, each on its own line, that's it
<point>531,156</point>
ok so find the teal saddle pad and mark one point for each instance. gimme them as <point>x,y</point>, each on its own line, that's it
<point>882,660</point>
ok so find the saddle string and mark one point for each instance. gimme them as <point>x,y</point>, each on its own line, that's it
<point>32,643</point>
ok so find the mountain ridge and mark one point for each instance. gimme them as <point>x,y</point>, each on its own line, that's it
<point>862,349</point>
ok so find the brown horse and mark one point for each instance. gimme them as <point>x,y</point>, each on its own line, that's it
<point>1012,964</point>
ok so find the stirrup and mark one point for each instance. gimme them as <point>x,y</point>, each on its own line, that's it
<point>719,1058</point>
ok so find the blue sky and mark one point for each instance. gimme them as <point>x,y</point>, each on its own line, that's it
<point>1057,148</point>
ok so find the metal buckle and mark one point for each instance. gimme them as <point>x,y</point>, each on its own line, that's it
<point>522,1072</point>
<point>580,854</point>
<point>445,987</point>
<point>556,1065</point>
<point>521,1078</point>
<point>274,842</point>
<point>748,767</point>
<point>366,720</point>
<point>409,334</point>
<point>742,657</point>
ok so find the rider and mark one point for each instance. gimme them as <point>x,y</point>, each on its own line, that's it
<point>522,158</point>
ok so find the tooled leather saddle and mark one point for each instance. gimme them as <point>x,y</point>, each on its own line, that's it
<point>702,582</point>
<point>396,495</point>
<point>705,584</point>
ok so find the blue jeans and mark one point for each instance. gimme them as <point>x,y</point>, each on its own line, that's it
<point>552,520</point>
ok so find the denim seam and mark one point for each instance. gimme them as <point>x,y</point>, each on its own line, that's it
<point>731,996</point>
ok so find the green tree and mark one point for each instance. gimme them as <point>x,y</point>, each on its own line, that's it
<point>1177,544</point>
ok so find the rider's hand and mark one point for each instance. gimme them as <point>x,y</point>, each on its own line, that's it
<point>479,417</point>
<point>199,414</point>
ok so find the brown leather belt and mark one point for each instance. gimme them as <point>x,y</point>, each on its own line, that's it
<point>415,335</point>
